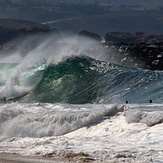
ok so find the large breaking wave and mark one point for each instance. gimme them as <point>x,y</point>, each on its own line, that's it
<point>78,80</point>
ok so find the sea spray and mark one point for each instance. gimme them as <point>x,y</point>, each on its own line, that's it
<point>47,51</point>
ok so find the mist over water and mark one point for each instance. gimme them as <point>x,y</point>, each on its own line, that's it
<point>51,48</point>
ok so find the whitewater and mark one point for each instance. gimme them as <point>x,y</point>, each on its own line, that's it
<point>74,98</point>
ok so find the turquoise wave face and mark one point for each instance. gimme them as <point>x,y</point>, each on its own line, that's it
<point>80,80</point>
<point>71,81</point>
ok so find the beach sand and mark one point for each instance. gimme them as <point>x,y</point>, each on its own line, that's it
<point>15,158</point>
<point>69,158</point>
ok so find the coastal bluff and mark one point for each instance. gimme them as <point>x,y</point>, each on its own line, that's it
<point>14,28</point>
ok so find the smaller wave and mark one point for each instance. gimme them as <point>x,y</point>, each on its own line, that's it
<point>40,120</point>
<point>150,118</point>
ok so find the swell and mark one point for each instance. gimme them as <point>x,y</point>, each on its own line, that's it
<point>79,80</point>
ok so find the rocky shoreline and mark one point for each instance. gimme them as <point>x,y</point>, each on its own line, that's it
<point>148,54</point>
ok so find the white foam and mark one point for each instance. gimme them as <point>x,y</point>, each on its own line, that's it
<point>39,120</point>
<point>111,139</point>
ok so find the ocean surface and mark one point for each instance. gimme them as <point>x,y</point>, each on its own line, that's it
<point>75,95</point>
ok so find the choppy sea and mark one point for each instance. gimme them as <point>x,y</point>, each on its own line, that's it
<point>74,95</point>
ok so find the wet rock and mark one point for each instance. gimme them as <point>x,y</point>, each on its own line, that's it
<point>146,48</point>
<point>91,35</point>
